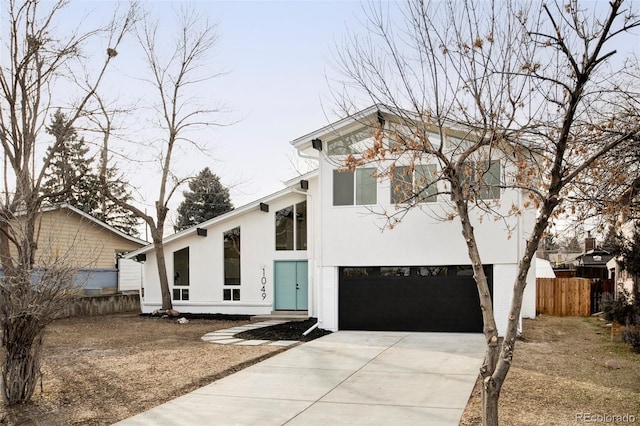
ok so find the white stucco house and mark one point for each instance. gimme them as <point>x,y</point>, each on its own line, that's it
<point>317,247</point>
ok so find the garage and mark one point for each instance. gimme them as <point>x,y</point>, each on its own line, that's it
<point>410,298</point>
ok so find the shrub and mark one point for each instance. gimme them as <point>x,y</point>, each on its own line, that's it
<point>620,310</point>
<point>631,334</point>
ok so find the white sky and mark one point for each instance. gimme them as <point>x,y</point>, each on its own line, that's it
<point>275,55</point>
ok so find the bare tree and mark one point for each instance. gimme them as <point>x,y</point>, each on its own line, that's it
<point>535,89</point>
<point>34,62</point>
<point>175,75</point>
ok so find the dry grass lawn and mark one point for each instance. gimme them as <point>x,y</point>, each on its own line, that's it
<point>100,370</point>
<point>559,372</point>
<point>103,369</point>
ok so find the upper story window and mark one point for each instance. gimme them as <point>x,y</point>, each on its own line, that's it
<point>418,183</point>
<point>487,175</point>
<point>355,188</point>
<point>291,226</point>
<point>491,182</point>
<point>351,143</point>
<point>181,274</point>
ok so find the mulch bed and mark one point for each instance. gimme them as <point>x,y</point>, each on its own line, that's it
<point>287,331</point>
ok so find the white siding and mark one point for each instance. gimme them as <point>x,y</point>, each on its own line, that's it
<point>129,275</point>
<point>352,236</point>
<point>206,282</point>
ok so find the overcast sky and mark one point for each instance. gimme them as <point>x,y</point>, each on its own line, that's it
<point>275,58</point>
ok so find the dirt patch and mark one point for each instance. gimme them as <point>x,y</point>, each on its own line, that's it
<point>559,374</point>
<point>287,331</point>
<point>100,370</point>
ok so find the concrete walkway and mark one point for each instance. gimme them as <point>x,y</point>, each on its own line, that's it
<point>345,378</point>
<point>226,336</point>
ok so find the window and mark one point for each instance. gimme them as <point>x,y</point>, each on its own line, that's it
<point>425,183</point>
<point>358,272</point>
<point>486,180</point>
<point>232,257</point>
<point>434,139</point>
<point>231,294</point>
<point>401,190</point>
<point>395,271</point>
<point>180,294</point>
<point>359,187</point>
<point>366,186</point>
<point>490,181</point>
<point>421,184</point>
<point>181,274</point>
<point>289,229</point>
<point>301,226</point>
<point>351,143</point>
<point>432,271</point>
<point>284,229</point>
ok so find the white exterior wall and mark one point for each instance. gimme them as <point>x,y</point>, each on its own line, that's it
<point>342,236</point>
<point>352,236</point>
<point>206,261</point>
<point>129,275</point>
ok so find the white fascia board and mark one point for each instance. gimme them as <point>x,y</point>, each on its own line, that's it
<point>304,142</point>
<point>307,176</point>
<point>218,219</point>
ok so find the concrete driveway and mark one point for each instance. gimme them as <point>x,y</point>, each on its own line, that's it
<point>346,378</point>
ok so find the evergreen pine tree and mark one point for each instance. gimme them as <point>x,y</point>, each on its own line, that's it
<point>65,177</point>
<point>205,199</point>
<point>72,178</point>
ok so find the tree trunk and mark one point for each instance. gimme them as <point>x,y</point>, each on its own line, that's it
<point>490,396</point>
<point>162,269</point>
<point>8,265</point>
<point>21,365</point>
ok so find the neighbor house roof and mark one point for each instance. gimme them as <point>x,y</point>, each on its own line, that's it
<point>594,258</point>
<point>98,222</point>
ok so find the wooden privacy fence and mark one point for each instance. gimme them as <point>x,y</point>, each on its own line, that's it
<point>563,296</point>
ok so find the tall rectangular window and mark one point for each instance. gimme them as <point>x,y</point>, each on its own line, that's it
<point>284,229</point>
<point>366,187</point>
<point>407,186</point>
<point>181,274</point>
<point>401,185</point>
<point>486,175</point>
<point>359,188</point>
<point>301,226</point>
<point>490,181</point>
<point>232,257</point>
<point>425,183</point>
<point>291,226</point>
<point>343,188</point>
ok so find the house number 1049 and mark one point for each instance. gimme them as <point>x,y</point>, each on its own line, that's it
<point>263,281</point>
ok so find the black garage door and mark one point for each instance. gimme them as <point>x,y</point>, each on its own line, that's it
<point>436,298</point>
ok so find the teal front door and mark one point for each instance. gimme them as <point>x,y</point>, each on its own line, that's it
<point>291,283</point>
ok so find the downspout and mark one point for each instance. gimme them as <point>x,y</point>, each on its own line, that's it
<point>313,239</point>
<point>315,245</point>
<point>313,327</point>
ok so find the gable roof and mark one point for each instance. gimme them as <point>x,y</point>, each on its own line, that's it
<point>95,221</point>
<point>304,141</point>
<point>290,188</point>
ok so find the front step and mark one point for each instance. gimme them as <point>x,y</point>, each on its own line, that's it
<point>283,315</point>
